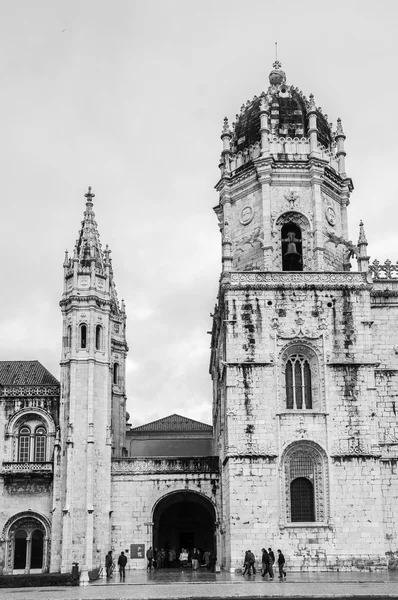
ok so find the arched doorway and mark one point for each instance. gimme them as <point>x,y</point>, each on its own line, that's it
<point>184,520</point>
<point>27,540</point>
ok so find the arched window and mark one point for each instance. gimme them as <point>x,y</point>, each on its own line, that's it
<point>40,444</point>
<point>292,247</point>
<point>115,373</point>
<point>98,337</point>
<point>69,337</point>
<point>24,444</point>
<point>302,500</point>
<point>298,382</point>
<point>305,473</point>
<point>83,336</point>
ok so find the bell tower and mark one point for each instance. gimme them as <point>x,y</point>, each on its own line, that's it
<point>93,401</point>
<point>291,337</point>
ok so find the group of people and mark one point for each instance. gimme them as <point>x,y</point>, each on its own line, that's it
<point>159,559</point>
<point>121,561</point>
<point>267,563</point>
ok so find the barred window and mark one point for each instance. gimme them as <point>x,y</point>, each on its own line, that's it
<point>298,382</point>
<point>40,444</point>
<point>305,473</point>
<point>24,444</point>
<point>302,500</point>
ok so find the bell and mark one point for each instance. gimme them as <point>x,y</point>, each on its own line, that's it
<point>291,249</point>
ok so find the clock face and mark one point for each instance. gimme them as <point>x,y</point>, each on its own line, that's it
<point>330,215</point>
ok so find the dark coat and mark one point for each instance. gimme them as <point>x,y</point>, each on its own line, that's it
<point>122,560</point>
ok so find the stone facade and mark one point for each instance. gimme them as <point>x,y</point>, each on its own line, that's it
<point>304,360</point>
<point>304,357</point>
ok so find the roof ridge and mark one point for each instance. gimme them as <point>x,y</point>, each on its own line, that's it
<point>171,419</point>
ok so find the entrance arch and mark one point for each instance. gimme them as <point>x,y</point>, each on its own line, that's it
<point>27,543</point>
<point>184,519</point>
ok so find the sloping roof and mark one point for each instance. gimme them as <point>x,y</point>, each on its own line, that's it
<point>25,372</point>
<point>174,423</point>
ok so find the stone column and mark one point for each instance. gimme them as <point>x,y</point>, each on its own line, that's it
<point>264,170</point>
<point>340,154</point>
<point>313,129</point>
<point>316,173</point>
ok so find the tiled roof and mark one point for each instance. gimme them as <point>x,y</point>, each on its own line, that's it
<point>25,372</point>
<point>174,423</point>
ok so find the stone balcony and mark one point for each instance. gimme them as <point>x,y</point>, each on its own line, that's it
<point>26,470</point>
<point>161,465</point>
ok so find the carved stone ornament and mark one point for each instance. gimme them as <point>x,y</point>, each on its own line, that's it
<point>84,281</point>
<point>330,215</point>
<point>246,215</point>
<point>292,198</point>
<point>256,236</point>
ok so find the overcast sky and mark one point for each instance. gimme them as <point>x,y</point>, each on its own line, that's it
<point>129,97</point>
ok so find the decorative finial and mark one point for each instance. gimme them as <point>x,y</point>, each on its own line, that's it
<point>339,126</point>
<point>89,195</point>
<point>225,128</point>
<point>362,237</point>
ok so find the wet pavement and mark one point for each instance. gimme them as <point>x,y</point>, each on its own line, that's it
<point>188,584</point>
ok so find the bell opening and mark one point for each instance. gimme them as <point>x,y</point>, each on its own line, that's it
<point>292,248</point>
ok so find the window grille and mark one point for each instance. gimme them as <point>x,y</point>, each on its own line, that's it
<point>298,383</point>
<point>302,500</point>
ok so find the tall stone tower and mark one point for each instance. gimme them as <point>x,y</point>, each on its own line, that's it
<point>292,359</point>
<point>92,410</point>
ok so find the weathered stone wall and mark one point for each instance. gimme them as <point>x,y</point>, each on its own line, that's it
<point>332,325</point>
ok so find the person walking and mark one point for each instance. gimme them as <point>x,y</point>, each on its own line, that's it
<point>249,561</point>
<point>271,563</point>
<point>281,565</point>
<point>122,562</point>
<point>109,564</point>
<point>149,556</point>
<point>265,563</point>
<point>252,562</point>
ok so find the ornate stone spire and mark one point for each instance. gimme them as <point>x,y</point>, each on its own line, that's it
<point>363,258</point>
<point>88,245</point>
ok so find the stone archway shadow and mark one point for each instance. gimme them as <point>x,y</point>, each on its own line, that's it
<point>184,519</point>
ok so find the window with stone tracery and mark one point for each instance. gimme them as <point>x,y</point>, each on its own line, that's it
<point>298,382</point>
<point>305,487</point>
<point>301,379</point>
<point>32,443</point>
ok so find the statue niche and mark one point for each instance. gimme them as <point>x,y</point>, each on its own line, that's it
<point>292,247</point>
